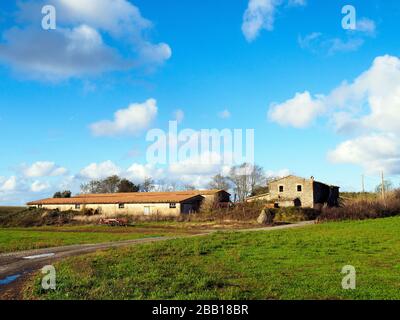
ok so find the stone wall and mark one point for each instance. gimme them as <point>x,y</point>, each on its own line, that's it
<point>111,210</point>
<point>290,192</point>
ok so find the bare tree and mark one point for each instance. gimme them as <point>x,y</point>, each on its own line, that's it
<point>257,177</point>
<point>245,179</point>
<point>387,185</point>
<point>147,185</point>
<point>219,182</point>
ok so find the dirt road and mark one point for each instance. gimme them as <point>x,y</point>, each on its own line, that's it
<point>16,267</point>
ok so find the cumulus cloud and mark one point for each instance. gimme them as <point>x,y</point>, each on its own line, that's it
<point>100,170</point>
<point>38,186</point>
<point>7,185</point>
<point>298,112</point>
<point>377,152</point>
<point>43,169</point>
<point>132,120</point>
<point>260,14</point>
<point>139,172</point>
<point>59,54</point>
<point>367,108</point>
<point>77,48</point>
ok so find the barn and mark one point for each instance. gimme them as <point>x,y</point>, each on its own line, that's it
<point>136,203</point>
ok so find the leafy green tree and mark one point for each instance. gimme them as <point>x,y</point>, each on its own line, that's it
<point>112,184</point>
<point>63,194</point>
<point>128,186</point>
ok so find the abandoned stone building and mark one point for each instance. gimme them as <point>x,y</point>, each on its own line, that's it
<point>299,192</point>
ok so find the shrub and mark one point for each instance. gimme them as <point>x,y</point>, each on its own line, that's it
<point>90,212</point>
<point>295,214</point>
<point>33,217</point>
<point>237,212</point>
<point>359,209</point>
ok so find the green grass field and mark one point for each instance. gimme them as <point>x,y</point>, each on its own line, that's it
<point>301,263</point>
<point>16,239</point>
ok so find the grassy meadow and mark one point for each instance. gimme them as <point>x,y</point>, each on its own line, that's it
<point>302,263</point>
<point>12,240</point>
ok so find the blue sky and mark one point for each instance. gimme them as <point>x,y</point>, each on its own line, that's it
<point>197,57</point>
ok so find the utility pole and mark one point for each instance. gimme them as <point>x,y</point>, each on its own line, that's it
<point>383,186</point>
<point>362,184</point>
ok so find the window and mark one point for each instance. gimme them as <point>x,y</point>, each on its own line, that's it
<point>77,206</point>
<point>299,188</point>
<point>146,211</point>
<point>172,205</point>
<point>280,188</point>
<point>121,206</point>
<point>40,206</point>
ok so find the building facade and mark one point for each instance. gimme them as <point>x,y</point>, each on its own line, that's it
<point>293,191</point>
<point>140,203</point>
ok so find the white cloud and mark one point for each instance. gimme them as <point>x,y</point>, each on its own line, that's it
<point>260,14</point>
<point>58,55</point>
<point>207,163</point>
<point>77,48</point>
<point>338,45</point>
<point>43,169</point>
<point>225,114</point>
<point>7,185</point>
<point>378,152</point>
<point>38,186</point>
<point>139,172</point>
<point>132,120</point>
<point>367,108</point>
<point>318,43</point>
<point>298,112</point>
<point>277,174</point>
<point>366,26</point>
<point>100,170</point>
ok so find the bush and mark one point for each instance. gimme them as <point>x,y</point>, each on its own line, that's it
<point>295,214</point>
<point>235,212</point>
<point>360,209</point>
<point>90,212</point>
<point>33,217</point>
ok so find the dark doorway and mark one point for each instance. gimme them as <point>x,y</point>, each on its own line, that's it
<point>297,202</point>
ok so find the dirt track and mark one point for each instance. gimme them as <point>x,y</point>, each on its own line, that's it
<point>24,263</point>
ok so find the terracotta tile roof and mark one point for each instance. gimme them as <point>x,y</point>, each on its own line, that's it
<point>134,197</point>
<point>143,194</point>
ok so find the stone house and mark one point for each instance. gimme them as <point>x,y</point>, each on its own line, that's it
<point>136,203</point>
<point>293,191</point>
